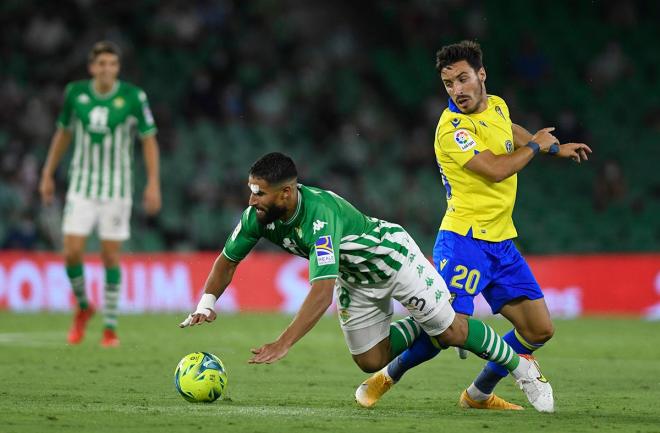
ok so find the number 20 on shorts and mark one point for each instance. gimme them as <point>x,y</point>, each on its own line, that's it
<point>465,278</point>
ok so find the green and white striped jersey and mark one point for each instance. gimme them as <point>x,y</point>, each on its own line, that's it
<point>338,240</point>
<point>103,128</point>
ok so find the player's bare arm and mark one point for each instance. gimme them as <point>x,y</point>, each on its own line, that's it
<point>316,303</point>
<point>216,283</point>
<point>152,197</point>
<point>576,151</point>
<point>496,168</point>
<point>58,146</point>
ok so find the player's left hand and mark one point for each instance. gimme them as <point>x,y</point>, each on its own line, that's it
<point>151,199</point>
<point>576,151</point>
<point>269,353</point>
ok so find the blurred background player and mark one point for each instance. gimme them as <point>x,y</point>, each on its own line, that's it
<point>101,116</point>
<point>366,262</point>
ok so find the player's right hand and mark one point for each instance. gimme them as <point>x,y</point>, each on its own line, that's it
<point>545,139</point>
<point>47,189</point>
<point>198,317</point>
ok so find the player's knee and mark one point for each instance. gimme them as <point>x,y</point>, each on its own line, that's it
<point>110,259</point>
<point>73,257</point>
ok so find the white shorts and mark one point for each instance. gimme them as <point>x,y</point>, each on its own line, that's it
<point>113,218</point>
<point>417,286</point>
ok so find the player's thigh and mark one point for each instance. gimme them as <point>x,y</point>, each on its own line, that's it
<point>80,216</point>
<point>115,220</point>
<point>364,317</point>
<point>421,289</point>
<point>464,267</point>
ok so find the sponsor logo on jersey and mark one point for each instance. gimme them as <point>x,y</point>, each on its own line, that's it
<point>325,255</point>
<point>464,140</point>
<point>318,225</point>
<point>118,102</point>
<point>509,146</point>
<point>98,119</point>
<point>455,122</point>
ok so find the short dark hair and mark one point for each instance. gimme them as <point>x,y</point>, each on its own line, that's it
<point>470,51</point>
<point>103,47</point>
<point>274,168</point>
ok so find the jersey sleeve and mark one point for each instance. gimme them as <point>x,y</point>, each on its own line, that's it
<point>244,237</point>
<point>324,255</point>
<point>460,143</point>
<point>66,113</point>
<point>145,120</point>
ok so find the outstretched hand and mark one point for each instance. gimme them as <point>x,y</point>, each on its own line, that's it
<point>576,151</point>
<point>199,317</point>
<point>269,353</point>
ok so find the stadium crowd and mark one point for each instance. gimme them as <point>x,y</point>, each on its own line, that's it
<point>349,90</point>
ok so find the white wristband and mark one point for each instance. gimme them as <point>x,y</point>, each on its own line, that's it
<point>206,303</point>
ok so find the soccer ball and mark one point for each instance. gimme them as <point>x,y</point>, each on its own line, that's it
<point>201,377</point>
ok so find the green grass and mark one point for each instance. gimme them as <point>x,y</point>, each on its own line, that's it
<point>605,373</point>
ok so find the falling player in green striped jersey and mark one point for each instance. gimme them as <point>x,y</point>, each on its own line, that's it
<point>366,262</point>
<point>101,115</point>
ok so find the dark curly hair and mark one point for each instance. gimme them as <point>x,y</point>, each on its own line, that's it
<point>470,51</point>
<point>274,168</point>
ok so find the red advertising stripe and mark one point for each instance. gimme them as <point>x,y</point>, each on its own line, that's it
<point>573,285</point>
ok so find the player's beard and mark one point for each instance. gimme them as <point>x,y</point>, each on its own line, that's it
<point>271,214</point>
<point>478,97</point>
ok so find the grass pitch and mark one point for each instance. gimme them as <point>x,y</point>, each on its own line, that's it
<point>605,373</point>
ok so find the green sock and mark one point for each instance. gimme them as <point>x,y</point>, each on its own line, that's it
<point>111,297</point>
<point>485,343</point>
<point>402,334</point>
<point>77,279</point>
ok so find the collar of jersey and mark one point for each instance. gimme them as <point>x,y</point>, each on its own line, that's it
<point>298,206</point>
<point>108,95</point>
<point>454,109</point>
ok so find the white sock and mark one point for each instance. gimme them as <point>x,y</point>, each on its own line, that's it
<point>475,394</point>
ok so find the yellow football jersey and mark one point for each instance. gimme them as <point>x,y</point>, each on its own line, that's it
<point>473,202</point>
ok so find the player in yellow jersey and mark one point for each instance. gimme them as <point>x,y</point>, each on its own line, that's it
<point>479,151</point>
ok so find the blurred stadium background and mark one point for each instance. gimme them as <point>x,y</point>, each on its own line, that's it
<point>350,91</point>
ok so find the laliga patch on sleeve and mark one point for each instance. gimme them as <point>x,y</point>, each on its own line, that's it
<point>464,140</point>
<point>325,255</point>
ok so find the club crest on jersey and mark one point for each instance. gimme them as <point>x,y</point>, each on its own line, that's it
<point>83,99</point>
<point>509,146</point>
<point>325,255</point>
<point>118,102</point>
<point>455,122</point>
<point>464,140</point>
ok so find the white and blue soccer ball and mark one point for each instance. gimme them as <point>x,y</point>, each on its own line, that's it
<point>201,377</point>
